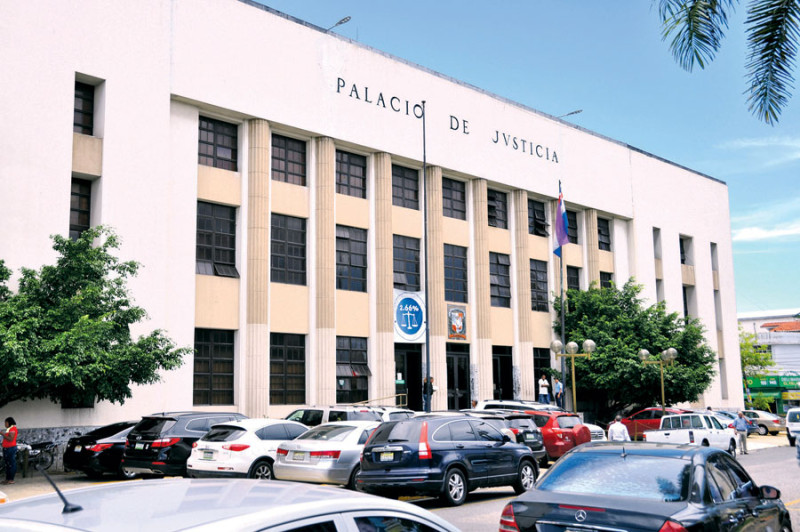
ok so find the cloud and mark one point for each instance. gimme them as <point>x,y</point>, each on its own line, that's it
<point>768,221</point>
<point>751,234</point>
<point>754,154</point>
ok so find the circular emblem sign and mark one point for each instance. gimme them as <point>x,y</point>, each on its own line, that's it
<point>409,317</point>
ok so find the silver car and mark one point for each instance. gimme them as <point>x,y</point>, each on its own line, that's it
<point>326,454</point>
<point>216,505</point>
<point>766,421</point>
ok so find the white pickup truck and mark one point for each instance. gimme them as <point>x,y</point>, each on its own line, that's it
<point>694,429</point>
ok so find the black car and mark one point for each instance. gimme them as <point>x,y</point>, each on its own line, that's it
<point>99,451</point>
<point>646,486</point>
<point>524,428</point>
<point>443,455</point>
<point>160,444</point>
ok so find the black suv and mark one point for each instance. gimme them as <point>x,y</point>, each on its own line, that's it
<point>161,443</point>
<point>443,455</point>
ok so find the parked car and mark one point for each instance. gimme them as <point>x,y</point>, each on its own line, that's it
<point>241,449</point>
<point>526,432</point>
<point>443,455</point>
<point>517,405</point>
<point>727,418</point>
<point>698,428</point>
<point>767,422</point>
<point>160,444</point>
<point>793,425</point>
<point>316,415</point>
<point>393,413</point>
<point>640,486</point>
<point>647,419</point>
<point>326,454</point>
<point>215,504</point>
<point>100,451</point>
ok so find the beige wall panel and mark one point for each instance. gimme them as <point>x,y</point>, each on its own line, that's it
<point>455,231</point>
<point>499,240</point>
<point>352,313</point>
<point>217,303</point>
<point>539,248</point>
<point>659,269</point>
<point>573,255</point>
<point>715,275</point>
<point>289,310</point>
<point>720,344</point>
<point>218,186</point>
<point>687,274</point>
<point>352,211</point>
<point>542,327</point>
<point>288,199</point>
<point>406,222</point>
<point>87,155</point>
<point>607,262</point>
<point>502,326</point>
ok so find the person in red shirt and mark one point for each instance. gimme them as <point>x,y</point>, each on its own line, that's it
<point>10,449</point>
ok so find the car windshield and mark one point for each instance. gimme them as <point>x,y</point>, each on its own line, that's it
<point>643,477</point>
<point>108,430</point>
<point>327,433</point>
<point>224,433</point>
<point>793,417</point>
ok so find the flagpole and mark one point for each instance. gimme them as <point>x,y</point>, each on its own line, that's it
<point>563,301</point>
<point>427,382</point>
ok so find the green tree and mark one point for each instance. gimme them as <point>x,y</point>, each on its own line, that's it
<point>755,361</point>
<point>65,334</point>
<point>614,378</point>
<point>697,28</point>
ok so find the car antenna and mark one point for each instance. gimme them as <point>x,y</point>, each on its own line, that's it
<point>68,506</point>
<point>624,454</point>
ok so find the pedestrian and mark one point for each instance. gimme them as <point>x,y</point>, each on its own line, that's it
<point>740,425</point>
<point>558,392</point>
<point>427,393</point>
<point>617,431</point>
<point>544,390</point>
<point>10,449</point>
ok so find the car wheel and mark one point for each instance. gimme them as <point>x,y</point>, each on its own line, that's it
<point>543,461</point>
<point>525,478</point>
<point>455,488</point>
<point>125,474</point>
<point>352,484</point>
<point>792,441</point>
<point>786,526</point>
<point>705,443</point>
<point>261,470</point>
<point>762,430</point>
<point>732,448</point>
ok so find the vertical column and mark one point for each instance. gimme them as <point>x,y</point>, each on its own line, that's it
<point>256,365</point>
<point>324,352</point>
<point>592,246</point>
<point>481,356</point>
<point>523,351</point>
<point>382,362</point>
<point>437,310</point>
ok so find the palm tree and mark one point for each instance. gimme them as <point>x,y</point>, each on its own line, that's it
<point>773,31</point>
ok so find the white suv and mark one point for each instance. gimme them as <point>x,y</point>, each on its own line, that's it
<point>793,425</point>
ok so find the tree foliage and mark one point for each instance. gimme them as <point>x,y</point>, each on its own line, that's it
<point>697,28</point>
<point>65,334</point>
<point>755,361</point>
<point>614,378</point>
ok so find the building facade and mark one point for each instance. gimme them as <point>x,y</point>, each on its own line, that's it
<point>271,179</point>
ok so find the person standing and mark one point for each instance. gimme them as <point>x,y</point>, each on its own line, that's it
<point>558,392</point>
<point>427,393</point>
<point>740,425</point>
<point>10,449</point>
<point>617,431</point>
<point>544,390</point>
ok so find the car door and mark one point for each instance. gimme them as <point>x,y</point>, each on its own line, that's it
<point>500,465</point>
<point>271,437</point>
<point>735,504</point>
<point>471,451</point>
<point>637,423</point>
<point>718,436</point>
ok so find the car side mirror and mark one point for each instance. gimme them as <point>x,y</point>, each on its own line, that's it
<point>506,438</point>
<point>770,493</point>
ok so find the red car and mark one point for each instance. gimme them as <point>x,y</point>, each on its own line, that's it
<point>561,431</point>
<point>647,419</point>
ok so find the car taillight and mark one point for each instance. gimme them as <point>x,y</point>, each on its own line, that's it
<point>672,526</point>
<point>194,445</point>
<point>165,442</point>
<point>282,452</point>
<point>96,448</point>
<point>508,522</point>
<point>776,421</point>
<point>236,447</point>
<point>326,455</point>
<point>515,431</point>
<point>424,448</point>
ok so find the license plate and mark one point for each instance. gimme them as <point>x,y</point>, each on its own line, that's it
<point>387,457</point>
<point>208,455</point>
<point>530,437</point>
<point>139,446</point>
<point>78,448</point>
<point>299,456</point>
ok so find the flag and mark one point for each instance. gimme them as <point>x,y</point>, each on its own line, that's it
<point>562,225</point>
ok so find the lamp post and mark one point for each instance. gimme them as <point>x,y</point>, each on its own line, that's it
<point>572,351</point>
<point>345,20</point>
<point>668,356</point>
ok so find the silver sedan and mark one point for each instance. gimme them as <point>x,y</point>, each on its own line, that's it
<point>326,454</point>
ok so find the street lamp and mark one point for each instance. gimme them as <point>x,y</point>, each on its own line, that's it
<point>668,356</point>
<point>572,351</point>
<point>571,113</point>
<point>345,20</point>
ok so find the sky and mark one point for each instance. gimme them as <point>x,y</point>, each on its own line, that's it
<point>608,59</point>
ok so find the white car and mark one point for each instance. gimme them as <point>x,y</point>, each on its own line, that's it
<point>394,413</point>
<point>793,425</point>
<point>241,449</point>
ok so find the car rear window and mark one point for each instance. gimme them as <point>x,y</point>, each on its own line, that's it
<point>327,433</point>
<point>363,415</point>
<point>642,477</point>
<point>393,416</point>
<point>397,431</point>
<point>793,417</point>
<point>568,422</point>
<point>154,425</point>
<point>521,423</point>
<point>108,430</point>
<point>540,420</point>
<point>224,433</point>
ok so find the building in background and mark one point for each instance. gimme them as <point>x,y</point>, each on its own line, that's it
<point>268,175</point>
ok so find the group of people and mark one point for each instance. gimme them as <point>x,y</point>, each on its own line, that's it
<point>544,391</point>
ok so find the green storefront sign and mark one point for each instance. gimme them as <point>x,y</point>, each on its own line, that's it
<point>783,391</point>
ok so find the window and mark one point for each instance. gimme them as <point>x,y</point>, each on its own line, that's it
<point>537,218</point>
<point>539,298</point>
<point>541,358</point>
<point>606,279</point>
<point>216,240</point>
<point>287,369</point>
<point>455,273</point>
<point>213,367</point>
<point>500,280</point>
<point>351,174</point>
<point>498,209</point>
<point>80,202</point>
<point>218,144</point>
<point>351,258</point>
<point>685,243</point>
<point>604,234</point>
<point>288,250</point>
<point>352,371</point>
<point>405,187</point>
<point>454,199</point>
<point>288,160</point>
<point>572,227</point>
<point>406,263</point>
<point>573,278</point>
<point>83,113</point>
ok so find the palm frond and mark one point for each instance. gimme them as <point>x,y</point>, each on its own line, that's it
<point>697,29</point>
<point>773,32</point>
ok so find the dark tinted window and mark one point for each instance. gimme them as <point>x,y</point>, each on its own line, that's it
<point>537,219</point>
<point>454,199</point>
<point>462,431</point>
<point>288,250</point>
<point>500,279</point>
<point>646,414</point>
<point>541,420</point>
<point>487,429</point>
<point>83,115</point>
<point>154,425</point>
<point>567,422</point>
<point>497,204</point>
<point>363,438</point>
<point>272,432</point>
<point>386,523</point>
<point>325,526</point>
<point>572,226</point>
<point>455,273</point>
<point>351,258</point>
<point>218,144</point>
<point>406,263</point>
<point>721,483</point>
<point>397,431</point>
<point>80,203</point>
<point>288,160</point>
<point>793,417</point>
<point>109,430</point>
<point>405,187</point>
<point>224,433</point>
<point>351,174</point>
<point>287,366</point>
<point>306,417</point>
<point>216,240</point>
<point>337,415</point>
<point>294,430</point>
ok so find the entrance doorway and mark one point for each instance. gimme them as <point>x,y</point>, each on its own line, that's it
<point>408,367</point>
<point>458,389</point>
<point>502,372</point>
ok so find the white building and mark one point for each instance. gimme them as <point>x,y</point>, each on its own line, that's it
<point>779,332</point>
<point>268,176</point>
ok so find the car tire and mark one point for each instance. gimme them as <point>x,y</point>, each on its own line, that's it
<point>352,484</point>
<point>786,526</point>
<point>125,474</point>
<point>705,443</point>
<point>454,491</point>
<point>732,448</point>
<point>543,461</point>
<point>762,430</point>
<point>262,470</point>
<point>526,477</point>
<point>792,441</point>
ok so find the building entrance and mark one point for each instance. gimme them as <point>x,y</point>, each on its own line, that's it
<point>408,373</point>
<point>458,388</point>
<point>502,372</point>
